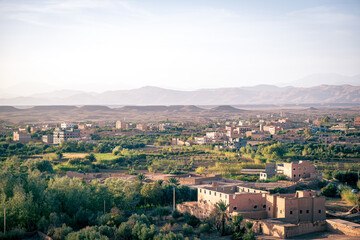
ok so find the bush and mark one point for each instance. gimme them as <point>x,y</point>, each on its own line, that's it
<point>87,233</point>
<point>249,236</point>
<point>169,236</point>
<point>162,211</point>
<point>329,191</point>
<point>350,178</point>
<point>17,233</point>
<point>59,233</point>
<point>204,228</point>
<point>278,190</point>
<point>187,229</point>
<point>176,214</point>
<point>191,220</point>
<point>348,196</point>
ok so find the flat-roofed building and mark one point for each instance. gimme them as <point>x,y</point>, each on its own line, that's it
<point>302,206</point>
<point>61,135</point>
<point>47,139</point>
<point>21,136</point>
<point>296,170</point>
<point>121,125</point>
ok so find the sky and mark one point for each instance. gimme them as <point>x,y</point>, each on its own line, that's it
<point>100,45</point>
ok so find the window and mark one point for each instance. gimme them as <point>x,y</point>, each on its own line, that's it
<point>209,192</point>
<point>294,175</point>
<point>255,206</point>
<point>264,206</point>
<point>214,193</point>
<point>220,194</point>
<point>307,211</point>
<point>299,175</point>
<point>200,190</point>
<point>300,211</point>
<point>204,191</point>
<point>269,208</point>
<point>225,196</point>
<point>280,211</point>
<point>234,208</point>
<point>319,211</point>
<point>290,212</point>
<point>294,169</point>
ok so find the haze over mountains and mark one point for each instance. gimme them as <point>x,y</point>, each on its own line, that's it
<point>261,94</point>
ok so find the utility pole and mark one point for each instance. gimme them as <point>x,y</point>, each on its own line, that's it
<point>174,207</point>
<point>4,220</point>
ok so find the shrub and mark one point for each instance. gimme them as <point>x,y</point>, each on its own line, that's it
<point>60,233</point>
<point>187,229</point>
<point>329,191</point>
<point>348,196</point>
<point>204,228</point>
<point>169,236</point>
<point>278,190</point>
<point>87,233</point>
<point>162,211</point>
<point>192,220</point>
<point>176,214</point>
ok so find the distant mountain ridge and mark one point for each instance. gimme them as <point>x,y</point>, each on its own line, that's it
<point>262,94</point>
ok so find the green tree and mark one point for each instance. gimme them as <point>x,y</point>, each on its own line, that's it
<point>91,157</point>
<point>151,193</point>
<point>141,178</point>
<point>59,155</point>
<point>223,208</point>
<point>173,181</point>
<point>329,191</point>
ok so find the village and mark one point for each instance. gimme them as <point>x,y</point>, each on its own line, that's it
<point>246,165</point>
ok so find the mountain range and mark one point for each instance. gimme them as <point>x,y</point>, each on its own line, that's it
<point>261,94</point>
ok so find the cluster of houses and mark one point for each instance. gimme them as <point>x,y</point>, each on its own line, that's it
<point>269,212</point>
<point>142,126</point>
<point>233,135</point>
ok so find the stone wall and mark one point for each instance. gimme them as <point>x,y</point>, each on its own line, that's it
<point>342,226</point>
<point>276,228</point>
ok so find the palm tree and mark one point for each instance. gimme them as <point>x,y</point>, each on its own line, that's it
<point>222,207</point>
<point>173,181</point>
<point>141,178</point>
<point>236,222</point>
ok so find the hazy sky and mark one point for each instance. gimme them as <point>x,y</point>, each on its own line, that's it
<point>98,45</point>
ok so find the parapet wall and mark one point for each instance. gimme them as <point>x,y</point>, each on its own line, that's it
<point>280,229</point>
<point>342,226</point>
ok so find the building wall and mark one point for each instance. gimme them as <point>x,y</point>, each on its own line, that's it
<point>247,202</point>
<point>283,230</point>
<point>60,135</point>
<point>342,226</point>
<point>22,137</point>
<point>303,206</point>
<point>295,171</point>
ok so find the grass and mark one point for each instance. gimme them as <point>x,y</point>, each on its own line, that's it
<point>105,156</point>
<point>337,204</point>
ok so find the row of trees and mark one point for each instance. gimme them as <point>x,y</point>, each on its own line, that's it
<point>34,200</point>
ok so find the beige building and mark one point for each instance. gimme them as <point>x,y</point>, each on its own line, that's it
<point>121,125</point>
<point>61,135</point>
<point>294,170</point>
<point>21,136</point>
<point>303,206</point>
<point>242,200</point>
<point>142,127</point>
<point>47,139</point>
